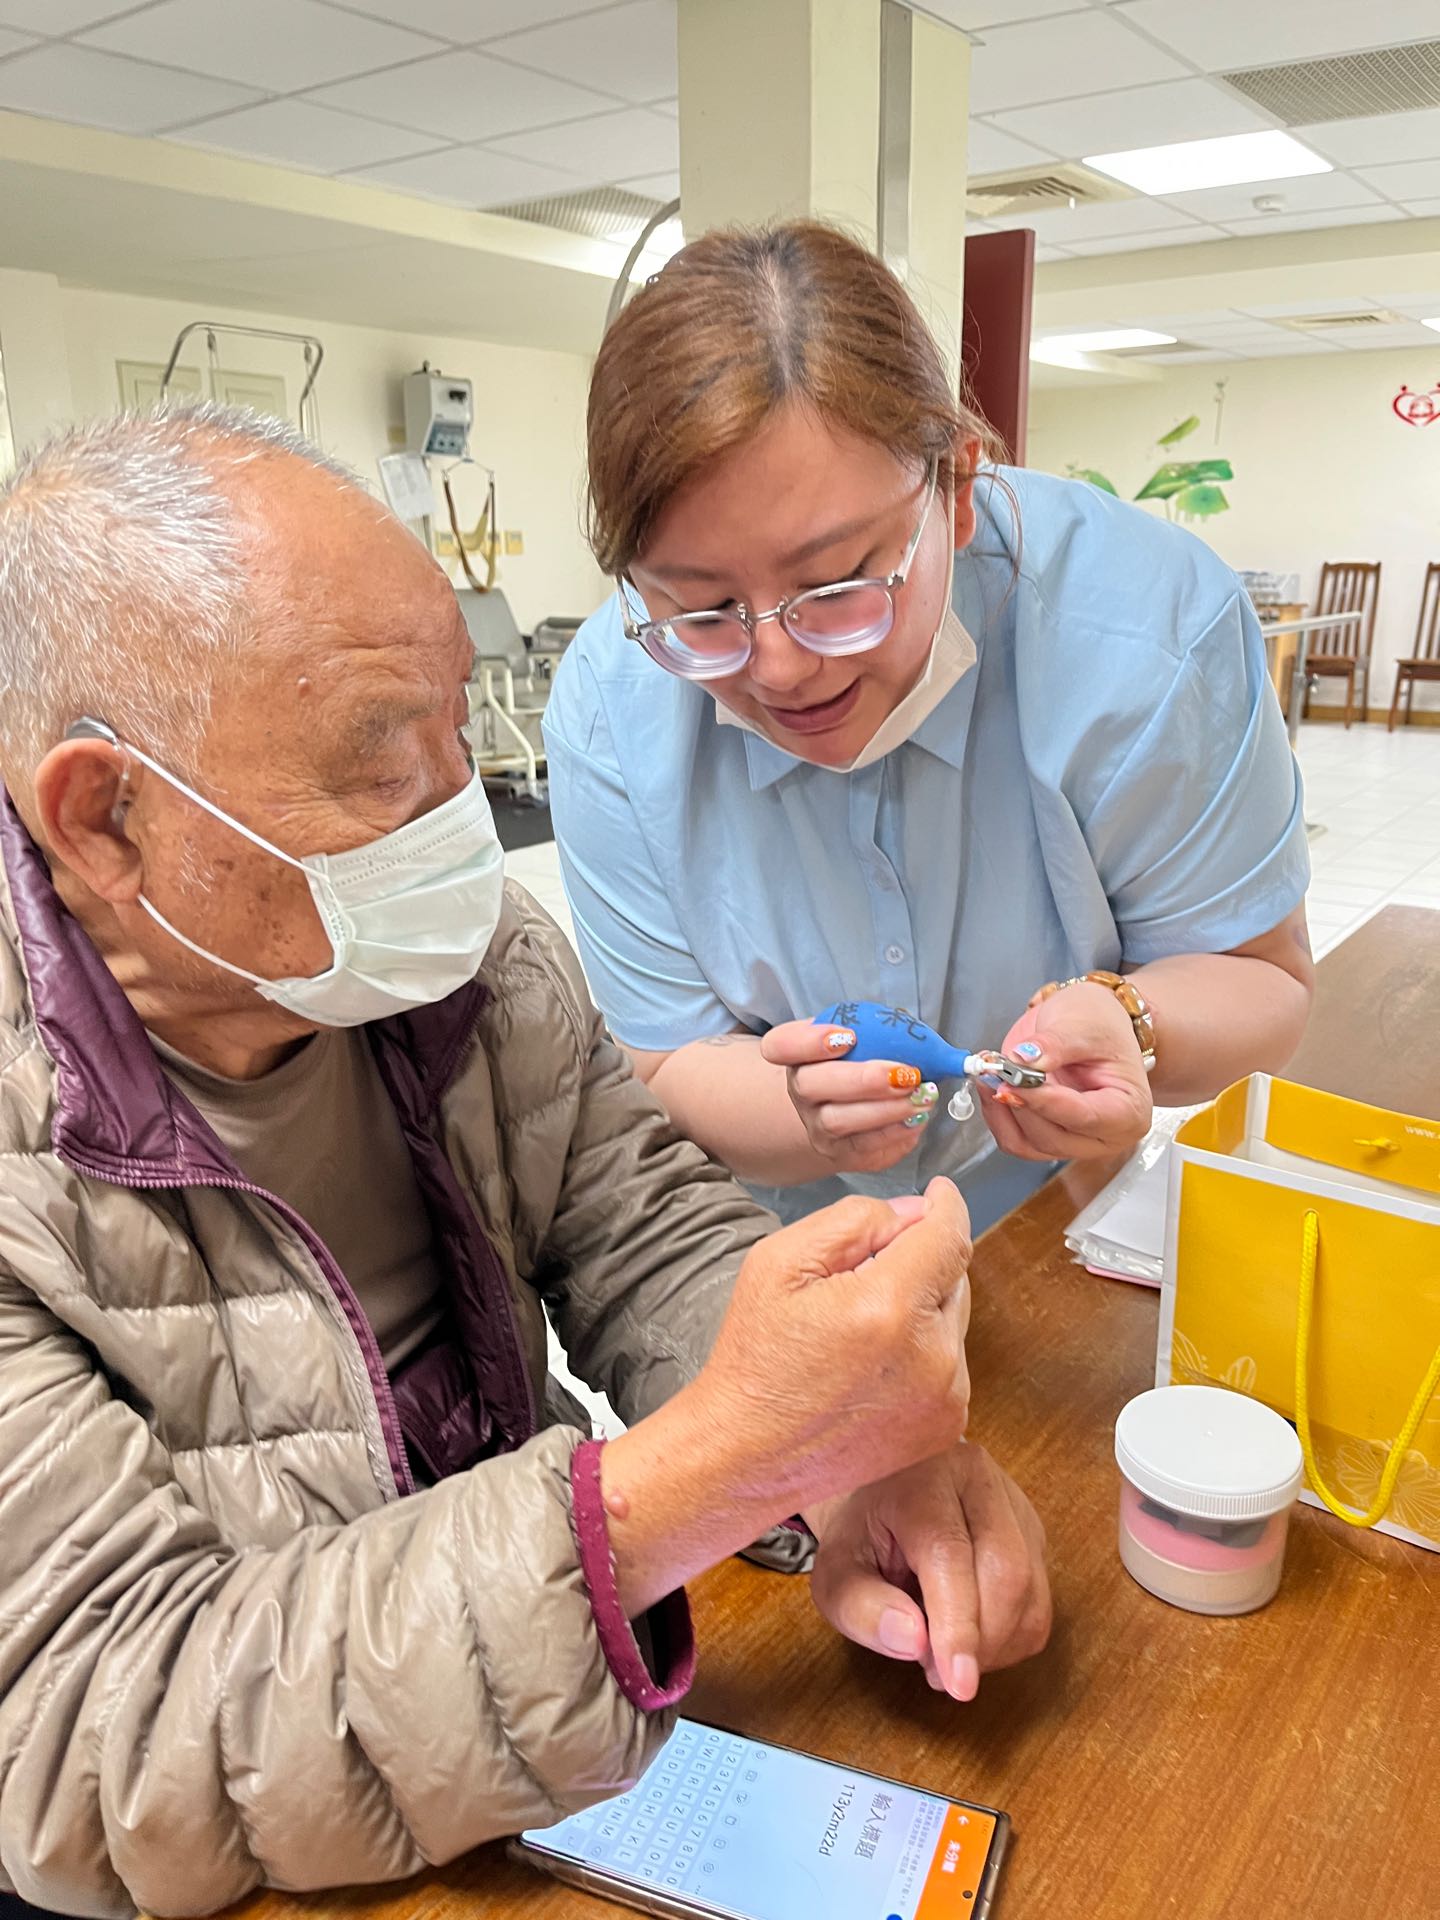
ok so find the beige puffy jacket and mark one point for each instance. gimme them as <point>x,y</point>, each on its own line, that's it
<point>234,1650</point>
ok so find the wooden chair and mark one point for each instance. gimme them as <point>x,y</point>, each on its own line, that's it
<point>1424,663</point>
<point>1346,586</point>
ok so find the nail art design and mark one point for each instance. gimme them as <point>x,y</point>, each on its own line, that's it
<point>925,1096</point>
<point>1028,1050</point>
<point>918,1119</point>
<point>904,1078</point>
<point>840,1041</point>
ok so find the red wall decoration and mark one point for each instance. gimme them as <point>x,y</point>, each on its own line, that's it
<point>1418,409</point>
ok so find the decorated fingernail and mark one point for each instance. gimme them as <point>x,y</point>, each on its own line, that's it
<point>840,1041</point>
<point>918,1119</point>
<point>1028,1050</point>
<point>1006,1097</point>
<point>925,1096</point>
<point>904,1078</point>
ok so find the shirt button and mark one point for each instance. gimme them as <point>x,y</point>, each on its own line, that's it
<point>894,954</point>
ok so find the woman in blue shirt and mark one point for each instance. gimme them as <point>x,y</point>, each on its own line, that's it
<point>817,749</point>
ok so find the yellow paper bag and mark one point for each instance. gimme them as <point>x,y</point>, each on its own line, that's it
<point>1303,1268</point>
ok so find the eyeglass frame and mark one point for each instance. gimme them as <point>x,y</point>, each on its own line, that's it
<point>889,584</point>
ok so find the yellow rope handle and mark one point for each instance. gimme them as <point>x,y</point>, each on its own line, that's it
<point>1379,1506</point>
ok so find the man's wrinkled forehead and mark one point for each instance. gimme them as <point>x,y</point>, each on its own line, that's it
<point>358,634</point>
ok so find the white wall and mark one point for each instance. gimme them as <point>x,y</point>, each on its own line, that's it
<point>1323,469</point>
<point>529,416</point>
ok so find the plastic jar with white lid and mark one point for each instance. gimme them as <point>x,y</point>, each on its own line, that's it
<point>1208,1480</point>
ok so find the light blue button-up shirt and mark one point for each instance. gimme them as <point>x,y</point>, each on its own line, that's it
<point>1110,782</point>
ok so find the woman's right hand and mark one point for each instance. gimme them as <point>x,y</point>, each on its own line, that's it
<point>841,1358</point>
<point>863,1116</point>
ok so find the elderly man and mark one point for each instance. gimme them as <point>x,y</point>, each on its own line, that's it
<point>306,1575</point>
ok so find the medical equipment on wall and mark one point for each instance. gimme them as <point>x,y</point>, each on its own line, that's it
<point>439,413</point>
<point>312,352</point>
<point>510,682</point>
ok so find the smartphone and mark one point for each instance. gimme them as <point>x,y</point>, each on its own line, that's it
<point>733,1828</point>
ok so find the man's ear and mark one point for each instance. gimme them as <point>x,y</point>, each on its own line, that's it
<point>968,454</point>
<point>83,792</point>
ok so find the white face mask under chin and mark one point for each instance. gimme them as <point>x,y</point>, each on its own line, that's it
<point>952,654</point>
<point>409,916</point>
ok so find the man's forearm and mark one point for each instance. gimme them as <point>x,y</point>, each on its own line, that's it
<point>1219,1016</point>
<point>736,1105</point>
<point>682,1495</point>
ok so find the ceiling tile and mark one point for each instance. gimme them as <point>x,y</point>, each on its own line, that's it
<point>1407,180</point>
<point>1138,242</point>
<point>975,15</point>
<point>294,133</point>
<point>672,107</point>
<point>992,151</point>
<point>1241,33</point>
<point>1311,193</point>
<point>1285,346</point>
<point>609,147</point>
<point>659,186</point>
<point>1292,309</point>
<point>1423,209</point>
<point>1312,222</point>
<point>281,45</point>
<point>1418,305</point>
<point>1188,357</point>
<point>463,96</point>
<point>1211,317</point>
<point>1405,333</point>
<point>1383,138</point>
<point>58,16</point>
<point>467,177</point>
<point>1068,226</point>
<point>13,42</point>
<point>1042,254</point>
<point>64,82</point>
<point>627,50</point>
<point>466,21</point>
<point>1057,59</point>
<point>1135,117</point>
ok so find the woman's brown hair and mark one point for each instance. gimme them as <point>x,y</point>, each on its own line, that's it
<point>740,323</point>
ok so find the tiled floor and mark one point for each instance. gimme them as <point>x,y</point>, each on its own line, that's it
<point>1377,796</point>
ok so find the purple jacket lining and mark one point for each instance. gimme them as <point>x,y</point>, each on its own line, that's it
<point>119,1119</point>
<point>671,1630</point>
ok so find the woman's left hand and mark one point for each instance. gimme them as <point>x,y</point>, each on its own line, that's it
<point>943,1564</point>
<point>1096,1097</point>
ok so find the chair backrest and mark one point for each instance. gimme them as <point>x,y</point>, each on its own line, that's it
<point>1427,627</point>
<point>1347,586</point>
<point>492,628</point>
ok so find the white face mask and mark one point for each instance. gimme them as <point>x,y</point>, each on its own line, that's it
<point>409,916</point>
<point>952,654</point>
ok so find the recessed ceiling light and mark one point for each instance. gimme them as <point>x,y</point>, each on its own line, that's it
<point>1188,165</point>
<point>1435,323</point>
<point>1060,349</point>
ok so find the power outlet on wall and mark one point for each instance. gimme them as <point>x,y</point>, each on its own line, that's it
<point>514,542</point>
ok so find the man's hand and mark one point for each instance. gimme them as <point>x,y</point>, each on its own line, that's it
<point>1096,1097</point>
<point>943,1564</point>
<point>841,1359</point>
<point>842,1355</point>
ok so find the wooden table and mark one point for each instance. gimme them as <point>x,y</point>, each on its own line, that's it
<point>1155,1763</point>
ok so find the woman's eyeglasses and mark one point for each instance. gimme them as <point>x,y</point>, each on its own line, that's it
<point>849,616</point>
